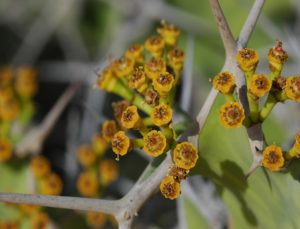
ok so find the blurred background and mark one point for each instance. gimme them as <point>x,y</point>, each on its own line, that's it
<point>69,41</point>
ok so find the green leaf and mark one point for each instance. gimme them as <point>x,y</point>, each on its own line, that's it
<point>267,199</point>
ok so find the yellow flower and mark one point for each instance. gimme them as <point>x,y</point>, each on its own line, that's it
<point>123,67</point>
<point>224,82</point>
<point>232,115</point>
<point>106,81</point>
<point>169,33</point>
<point>9,110</point>
<point>138,80</point>
<point>178,173</point>
<point>109,171</point>
<point>170,188</point>
<point>87,184</point>
<point>6,76</point>
<point>130,117</point>
<point>247,59</point>
<point>96,219</point>
<point>6,94</point>
<point>185,155</point>
<point>176,59</point>
<point>40,166</point>
<point>154,143</point>
<point>135,52</point>
<point>51,184</point>
<point>99,144</point>
<point>292,88</point>
<point>260,85</point>
<point>151,97</point>
<point>277,56</point>
<point>161,115</point>
<point>5,149</point>
<point>119,108</point>
<point>109,128</point>
<point>39,221</point>
<point>120,143</point>
<point>155,45</point>
<point>163,83</point>
<point>26,82</point>
<point>272,158</point>
<point>86,156</point>
<point>154,67</point>
<point>9,225</point>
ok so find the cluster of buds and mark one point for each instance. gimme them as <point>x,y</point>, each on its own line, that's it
<point>98,172</point>
<point>146,78</point>
<point>273,86</point>
<point>17,88</point>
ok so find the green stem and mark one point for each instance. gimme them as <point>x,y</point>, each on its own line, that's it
<point>274,74</point>
<point>290,154</point>
<point>137,142</point>
<point>269,105</point>
<point>139,101</point>
<point>168,132</point>
<point>148,121</point>
<point>229,97</point>
<point>254,107</point>
<point>5,128</point>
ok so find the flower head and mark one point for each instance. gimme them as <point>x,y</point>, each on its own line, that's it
<point>247,59</point>
<point>154,143</point>
<point>51,184</point>
<point>39,220</point>
<point>185,155</point>
<point>109,128</point>
<point>96,219</point>
<point>151,97</point>
<point>277,56</point>
<point>178,173</point>
<point>120,143</point>
<point>86,155</point>
<point>106,80</point>
<point>224,82</point>
<point>99,144</point>
<point>138,80</point>
<point>163,83</point>
<point>161,114</point>
<point>5,149</point>
<point>170,188</point>
<point>232,115</point>
<point>40,166</point>
<point>260,85</point>
<point>272,158</point>
<point>154,67</point>
<point>87,184</point>
<point>130,117</point>
<point>109,171</point>
<point>9,109</point>
<point>155,45</point>
<point>176,59</point>
<point>123,67</point>
<point>26,82</point>
<point>135,52</point>
<point>169,32</point>
<point>292,88</point>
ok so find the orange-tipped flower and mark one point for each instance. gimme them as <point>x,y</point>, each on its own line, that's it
<point>96,219</point>
<point>272,158</point>
<point>109,128</point>
<point>178,173</point>
<point>123,67</point>
<point>154,143</point>
<point>130,117</point>
<point>51,184</point>
<point>154,67</point>
<point>169,32</point>
<point>106,80</point>
<point>120,143</point>
<point>26,82</point>
<point>247,59</point>
<point>86,156</point>
<point>185,155</point>
<point>40,166</point>
<point>260,85</point>
<point>109,171</point>
<point>138,80</point>
<point>5,149</point>
<point>232,115</point>
<point>224,82</point>
<point>39,221</point>
<point>277,56</point>
<point>292,88</point>
<point>161,115</point>
<point>9,109</point>
<point>87,184</point>
<point>99,144</point>
<point>170,188</point>
<point>176,59</point>
<point>155,45</point>
<point>163,83</point>
<point>135,53</point>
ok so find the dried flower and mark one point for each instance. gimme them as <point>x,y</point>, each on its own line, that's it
<point>170,188</point>
<point>272,158</point>
<point>161,115</point>
<point>178,173</point>
<point>224,82</point>
<point>154,143</point>
<point>232,115</point>
<point>151,97</point>
<point>185,155</point>
<point>260,85</point>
